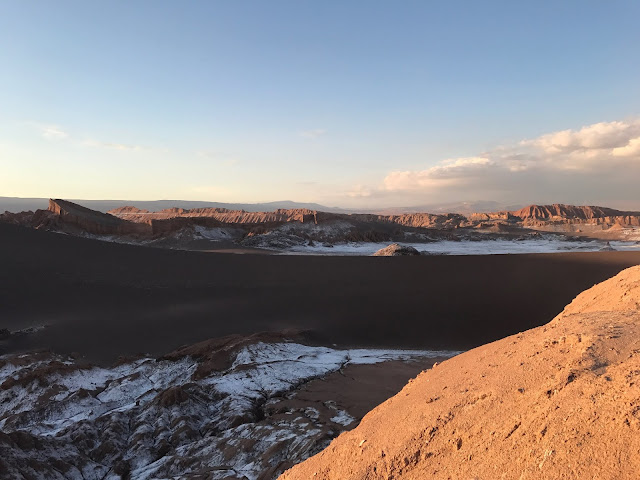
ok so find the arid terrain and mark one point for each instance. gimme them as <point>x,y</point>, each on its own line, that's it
<point>533,229</point>
<point>103,300</point>
<point>236,407</point>
<point>120,361</point>
<point>319,240</point>
<point>557,401</point>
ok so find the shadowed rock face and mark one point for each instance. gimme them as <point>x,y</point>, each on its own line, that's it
<point>558,401</point>
<point>92,221</point>
<point>233,407</point>
<point>172,219</point>
<point>72,218</point>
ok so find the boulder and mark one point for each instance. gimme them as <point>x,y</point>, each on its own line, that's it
<point>396,250</point>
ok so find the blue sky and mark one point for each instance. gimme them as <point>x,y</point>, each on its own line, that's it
<point>349,103</point>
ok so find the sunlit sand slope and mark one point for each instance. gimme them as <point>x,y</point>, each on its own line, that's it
<point>559,401</point>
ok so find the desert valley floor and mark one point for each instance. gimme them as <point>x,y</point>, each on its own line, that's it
<point>124,361</point>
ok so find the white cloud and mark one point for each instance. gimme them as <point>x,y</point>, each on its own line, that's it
<point>318,132</point>
<point>56,132</point>
<point>53,132</point>
<point>604,135</point>
<point>48,131</point>
<point>449,172</point>
<point>360,191</point>
<point>596,161</point>
<point>631,149</point>
<point>114,146</point>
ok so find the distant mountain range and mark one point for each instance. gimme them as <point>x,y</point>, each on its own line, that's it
<point>16,204</point>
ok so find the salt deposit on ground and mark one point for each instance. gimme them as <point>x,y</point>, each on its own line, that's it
<point>159,419</point>
<point>465,247</point>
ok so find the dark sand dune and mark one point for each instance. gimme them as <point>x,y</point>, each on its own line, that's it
<point>104,300</point>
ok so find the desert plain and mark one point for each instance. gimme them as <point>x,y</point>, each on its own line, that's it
<point>180,353</point>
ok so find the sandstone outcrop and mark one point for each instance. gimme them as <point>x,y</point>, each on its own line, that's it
<point>564,212</point>
<point>38,219</point>
<point>222,215</point>
<point>557,401</point>
<point>301,225</point>
<point>128,210</point>
<point>536,215</point>
<point>533,214</point>
<point>395,250</point>
<point>302,215</point>
<point>92,221</point>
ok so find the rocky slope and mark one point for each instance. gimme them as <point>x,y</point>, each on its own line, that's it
<point>539,215</point>
<point>286,228</point>
<point>291,227</point>
<point>531,216</point>
<point>232,408</point>
<point>301,215</point>
<point>564,212</point>
<point>558,401</point>
<point>92,221</point>
<point>69,217</point>
<point>395,250</point>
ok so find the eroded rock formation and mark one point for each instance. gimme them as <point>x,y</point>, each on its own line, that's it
<point>229,408</point>
<point>284,227</point>
<point>395,250</point>
<point>92,221</point>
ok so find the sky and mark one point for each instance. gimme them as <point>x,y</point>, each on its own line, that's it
<point>358,104</point>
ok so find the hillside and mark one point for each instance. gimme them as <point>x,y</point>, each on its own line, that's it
<point>538,215</point>
<point>565,212</point>
<point>559,401</point>
<point>296,228</point>
<point>16,205</point>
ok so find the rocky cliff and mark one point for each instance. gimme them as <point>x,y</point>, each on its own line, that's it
<point>92,221</point>
<point>558,401</point>
<point>301,225</point>
<point>533,213</point>
<point>559,213</point>
<point>301,215</point>
<point>564,212</point>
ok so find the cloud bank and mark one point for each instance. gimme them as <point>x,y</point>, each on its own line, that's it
<point>596,163</point>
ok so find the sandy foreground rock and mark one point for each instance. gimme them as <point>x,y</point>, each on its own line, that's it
<point>557,401</point>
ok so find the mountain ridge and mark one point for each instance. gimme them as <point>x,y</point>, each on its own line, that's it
<point>283,228</point>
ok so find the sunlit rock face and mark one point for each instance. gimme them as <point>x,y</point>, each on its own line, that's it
<point>395,250</point>
<point>558,401</point>
<point>302,230</point>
